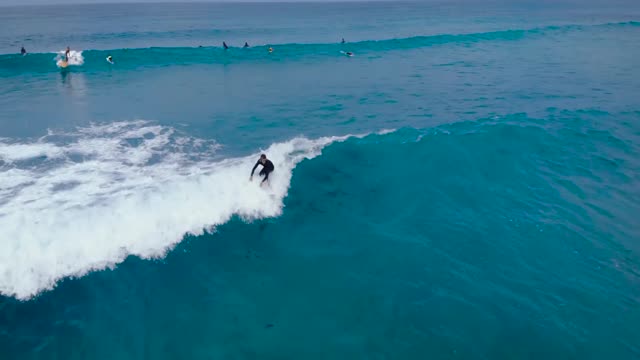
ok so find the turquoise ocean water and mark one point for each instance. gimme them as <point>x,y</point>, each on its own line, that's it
<point>466,186</point>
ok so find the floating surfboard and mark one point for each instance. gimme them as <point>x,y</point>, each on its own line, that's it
<point>62,64</point>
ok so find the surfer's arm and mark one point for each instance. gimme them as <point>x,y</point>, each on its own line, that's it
<point>254,167</point>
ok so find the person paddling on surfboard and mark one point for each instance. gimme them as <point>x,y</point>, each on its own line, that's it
<point>267,168</point>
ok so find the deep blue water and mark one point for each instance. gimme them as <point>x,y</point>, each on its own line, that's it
<point>466,186</point>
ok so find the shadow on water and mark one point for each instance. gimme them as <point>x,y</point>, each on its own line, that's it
<point>75,83</point>
<point>65,76</point>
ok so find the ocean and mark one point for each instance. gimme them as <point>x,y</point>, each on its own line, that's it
<point>465,186</point>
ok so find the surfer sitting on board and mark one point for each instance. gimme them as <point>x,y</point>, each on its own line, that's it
<point>267,168</point>
<point>23,52</point>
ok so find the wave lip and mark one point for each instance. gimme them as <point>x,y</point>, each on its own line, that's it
<point>130,188</point>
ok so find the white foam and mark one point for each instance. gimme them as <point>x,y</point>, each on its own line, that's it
<point>17,152</point>
<point>129,188</point>
<point>385,131</point>
<point>75,58</point>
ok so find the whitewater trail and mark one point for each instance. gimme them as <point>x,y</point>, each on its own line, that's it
<point>75,202</point>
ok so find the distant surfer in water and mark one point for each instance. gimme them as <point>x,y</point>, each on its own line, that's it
<point>246,44</point>
<point>343,40</point>
<point>270,49</point>
<point>110,59</point>
<point>23,52</point>
<point>66,54</point>
<point>224,45</point>
<point>267,168</point>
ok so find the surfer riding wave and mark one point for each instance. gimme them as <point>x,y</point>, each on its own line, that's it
<point>267,168</point>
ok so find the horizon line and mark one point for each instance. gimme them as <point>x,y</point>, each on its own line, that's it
<point>45,3</point>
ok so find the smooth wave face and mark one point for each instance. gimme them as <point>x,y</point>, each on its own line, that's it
<point>160,56</point>
<point>75,202</point>
<point>446,223</point>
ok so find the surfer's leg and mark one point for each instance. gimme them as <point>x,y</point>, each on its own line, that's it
<point>266,175</point>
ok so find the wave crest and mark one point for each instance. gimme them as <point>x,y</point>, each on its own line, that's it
<point>162,56</point>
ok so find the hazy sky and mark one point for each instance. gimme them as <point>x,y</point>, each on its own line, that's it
<point>51,2</point>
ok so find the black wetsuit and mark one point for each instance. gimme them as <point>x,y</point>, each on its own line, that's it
<point>267,168</point>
